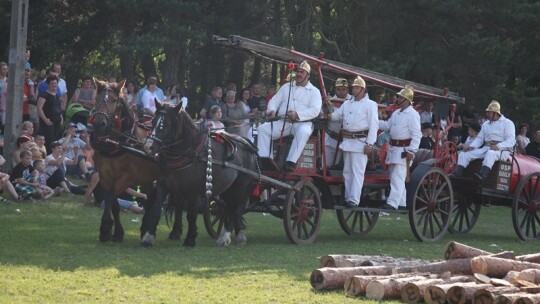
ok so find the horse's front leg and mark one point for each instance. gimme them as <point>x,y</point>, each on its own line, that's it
<point>118,235</point>
<point>176,231</point>
<point>191,205</point>
<point>152,216</point>
<point>105,230</point>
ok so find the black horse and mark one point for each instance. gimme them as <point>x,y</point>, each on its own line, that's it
<point>118,161</point>
<point>193,160</point>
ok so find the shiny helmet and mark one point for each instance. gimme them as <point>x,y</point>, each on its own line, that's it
<point>407,92</point>
<point>359,82</point>
<point>341,82</point>
<point>494,106</point>
<point>305,66</point>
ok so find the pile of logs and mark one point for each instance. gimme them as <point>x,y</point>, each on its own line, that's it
<point>467,275</point>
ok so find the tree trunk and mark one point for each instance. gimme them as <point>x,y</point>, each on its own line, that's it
<point>356,285</point>
<point>414,292</point>
<point>437,294</point>
<point>363,260</point>
<point>488,295</point>
<point>497,267</point>
<point>388,288</point>
<point>532,258</point>
<point>333,278</point>
<point>455,250</point>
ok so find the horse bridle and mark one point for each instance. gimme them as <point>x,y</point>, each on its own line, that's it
<point>109,119</point>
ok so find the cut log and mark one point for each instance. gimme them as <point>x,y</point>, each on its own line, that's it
<point>333,278</point>
<point>462,293</point>
<point>457,266</point>
<point>489,294</point>
<point>336,260</point>
<point>523,283</point>
<point>500,282</point>
<point>455,250</point>
<point>535,289</point>
<point>388,288</point>
<point>532,258</point>
<point>356,285</point>
<point>509,298</point>
<point>531,275</point>
<point>480,278</point>
<point>512,277</point>
<point>528,299</point>
<point>497,267</point>
<point>414,292</point>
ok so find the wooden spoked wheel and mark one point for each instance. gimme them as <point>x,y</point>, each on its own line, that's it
<point>431,207</point>
<point>214,217</point>
<point>465,214</point>
<point>356,222</point>
<point>526,208</point>
<point>448,156</point>
<point>302,213</point>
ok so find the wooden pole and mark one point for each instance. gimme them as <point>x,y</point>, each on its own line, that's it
<point>17,53</point>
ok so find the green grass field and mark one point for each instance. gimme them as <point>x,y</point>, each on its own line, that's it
<point>50,254</point>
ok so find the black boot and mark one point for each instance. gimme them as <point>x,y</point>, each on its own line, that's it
<point>482,174</point>
<point>458,172</point>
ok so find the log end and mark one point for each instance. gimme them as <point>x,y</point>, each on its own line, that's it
<point>327,261</point>
<point>434,295</point>
<point>524,300</point>
<point>375,290</point>
<point>410,293</point>
<point>482,296</point>
<point>317,279</point>
<point>456,295</point>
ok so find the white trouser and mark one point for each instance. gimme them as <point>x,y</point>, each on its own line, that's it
<point>300,130</point>
<point>330,150</point>
<point>489,156</point>
<point>353,175</point>
<point>398,192</point>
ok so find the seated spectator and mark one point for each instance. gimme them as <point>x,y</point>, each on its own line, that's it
<point>55,164</point>
<point>36,153</point>
<point>39,165</point>
<point>24,177</point>
<point>73,147</point>
<point>23,144</point>
<point>40,143</point>
<point>215,120</point>
<point>27,129</point>
<point>533,149</point>
<point>233,113</point>
<point>6,183</point>
<point>521,139</point>
<point>473,131</point>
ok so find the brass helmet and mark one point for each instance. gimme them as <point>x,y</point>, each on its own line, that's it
<point>407,93</point>
<point>305,66</point>
<point>359,82</point>
<point>494,106</point>
<point>341,82</point>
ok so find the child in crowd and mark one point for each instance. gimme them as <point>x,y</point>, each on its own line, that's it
<point>215,118</point>
<point>473,131</point>
<point>24,177</point>
<point>39,165</point>
<point>23,144</point>
<point>40,142</point>
<point>427,142</point>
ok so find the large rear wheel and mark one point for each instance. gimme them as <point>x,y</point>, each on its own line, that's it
<point>302,213</point>
<point>431,205</point>
<point>356,222</point>
<point>465,214</point>
<point>526,207</point>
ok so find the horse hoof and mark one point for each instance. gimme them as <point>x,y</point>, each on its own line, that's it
<point>104,237</point>
<point>148,240</point>
<point>189,243</point>
<point>174,236</point>
<point>241,239</point>
<point>224,239</point>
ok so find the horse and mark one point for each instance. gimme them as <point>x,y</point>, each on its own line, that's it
<point>194,162</point>
<point>118,161</point>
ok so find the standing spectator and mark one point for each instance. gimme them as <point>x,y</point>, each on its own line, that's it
<point>257,102</point>
<point>270,92</point>
<point>426,115</point>
<point>495,141</point>
<point>158,92</point>
<point>57,68</point>
<point>360,125</point>
<point>131,93</point>
<point>29,94</point>
<point>405,134</point>
<point>297,102</point>
<point>233,113</point>
<point>521,139</point>
<point>49,107</point>
<point>245,96</point>
<point>149,99</point>
<point>86,94</point>
<point>533,149</point>
<point>214,100</point>
<point>3,93</point>
<point>44,86</point>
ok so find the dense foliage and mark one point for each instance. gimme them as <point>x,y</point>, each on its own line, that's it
<point>482,49</point>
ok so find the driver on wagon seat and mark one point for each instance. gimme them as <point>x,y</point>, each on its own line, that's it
<point>495,141</point>
<point>298,102</point>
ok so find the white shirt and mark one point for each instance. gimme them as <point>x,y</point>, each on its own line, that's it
<point>335,125</point>
<point>403,124</point>
<point>62,86</point>
<point>148,101</point>
<point>358,115</point>
<point>501,130</point>
<point>305,101</point>
<point>49,169</point>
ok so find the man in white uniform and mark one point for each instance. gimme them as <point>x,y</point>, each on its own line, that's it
<point>495,141</point>
<point>405,135</point>
<point>298,102</point>
<point>360,126</point>
<point>333,128</point>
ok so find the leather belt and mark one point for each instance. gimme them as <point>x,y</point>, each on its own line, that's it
<point>400,142</point>
<point>492,142</point>
<point>354,135</point>
<point>332,134</point>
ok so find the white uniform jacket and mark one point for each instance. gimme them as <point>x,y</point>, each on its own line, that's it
<point>501,131</point>
<point>403,124</point>
<point>334,126</point>
<point>358,115</point>
<point>306,101</point>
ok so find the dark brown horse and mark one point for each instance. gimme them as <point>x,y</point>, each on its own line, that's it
<point>117,161</point>
<point>192,160</point>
